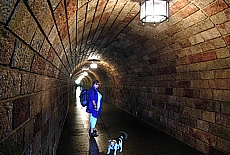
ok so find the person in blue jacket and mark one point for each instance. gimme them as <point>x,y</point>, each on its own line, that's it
<point>94,107</point>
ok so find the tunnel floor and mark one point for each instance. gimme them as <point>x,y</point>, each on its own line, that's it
<point>143,139</point>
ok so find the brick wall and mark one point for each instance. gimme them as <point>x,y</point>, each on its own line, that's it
<point>34,88</point>
<point>178,80</point>
<point>175,75</point>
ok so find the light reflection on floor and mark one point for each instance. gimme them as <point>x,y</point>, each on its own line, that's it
<point>93,142</point>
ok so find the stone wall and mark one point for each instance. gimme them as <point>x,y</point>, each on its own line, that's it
<point>178,78</point>
<point>34,89</point>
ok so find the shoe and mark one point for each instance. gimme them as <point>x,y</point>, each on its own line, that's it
<point>93,135</point>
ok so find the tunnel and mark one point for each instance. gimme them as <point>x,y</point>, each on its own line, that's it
<point>174,75</point>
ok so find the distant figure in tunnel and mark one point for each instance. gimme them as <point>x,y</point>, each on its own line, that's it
<point>94,107</point>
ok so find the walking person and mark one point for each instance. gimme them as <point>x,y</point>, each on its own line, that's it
<point>94,107</point>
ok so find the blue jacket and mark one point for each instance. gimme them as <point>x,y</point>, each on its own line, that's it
<point>93,96</point>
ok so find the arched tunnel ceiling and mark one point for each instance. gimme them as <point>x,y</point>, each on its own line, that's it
<point>69,32</point>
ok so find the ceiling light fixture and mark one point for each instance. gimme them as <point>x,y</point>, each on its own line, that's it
<point>154,11</point>
<point>93,64</point>
<point>85,73</point>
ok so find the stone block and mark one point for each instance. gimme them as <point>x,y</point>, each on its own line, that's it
<point>202,26</point>
<point>187,10</point>
<point>205,137</point>
<point>224,73</point>
<point>37,123</point>
<point>52,37</point>
<point>207,75</point>
<point>222,53</point>
<point>207,105</point>
<point>36,144</point>
<point>220,131</point>
<point>37,40</point>
<point>27,85</point>
<point>6,119</point>
<point>45,49</point>
<point>189,139</point>
<point>22,57</point>
<point>201,84</point>
<point>50,70</point>
<point>173,30</point>
<point>187,120</point>
<point>206,94</point>
<point>22,23</point>
<point>218,42</point>
<point>29,132</point>
<point>184,84</point>
<point>38,65</point>
<point>7,46</point>
<point>202,125</point>
<point>224,28</point>
<point>193,19</point>
<point>215,7</point>
<point>225,108</point>
<point>223,145</point>
<point>208,56</point>
<point>196,39</point>
<point>223,119</point>
<point>207,46</point>
<point>202,3</point>
<point>178,6</point>
<point>42,13</point>
<point>220,83</point>
<point>221,17</point>
<point>221,95</point>
<point>6,8</point>
<point>210,34</point>
<point>10,83</point>
<point>209,116</point>
<point>196,113</point>
<point>225,62</point>
<point>185,34</point>
<point>185,43</point>
<point>63,32</point>
<point>201,146</point>
<point>60,15</point>
<point>36,104</point>
<point>21,106</point>
<point>14,144</point>
<point>71,8</point>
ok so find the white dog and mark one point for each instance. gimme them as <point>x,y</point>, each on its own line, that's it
<point>116,144</point>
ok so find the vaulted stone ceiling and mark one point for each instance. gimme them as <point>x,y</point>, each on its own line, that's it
<point>174,74</point>
<point>67,33</point>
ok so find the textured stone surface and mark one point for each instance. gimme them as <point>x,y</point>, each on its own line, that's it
<point>175,75</point>
<point>21,107</point>
<point>6,45</point>
<point>215,7</point>
<point>22,23</point>
<point>10,83</point>
<point>6,8</point>
<point>28,82</point>
<point>38,65</point>
<point>22,57</point>
<point>37,41</point>
<point>42,13</point>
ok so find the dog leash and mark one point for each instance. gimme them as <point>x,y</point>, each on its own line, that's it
<point>105,127</point>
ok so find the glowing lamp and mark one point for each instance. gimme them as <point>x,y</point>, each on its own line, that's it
<point>154,11</point>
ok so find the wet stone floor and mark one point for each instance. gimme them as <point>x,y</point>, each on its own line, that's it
<point>143,139</point>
